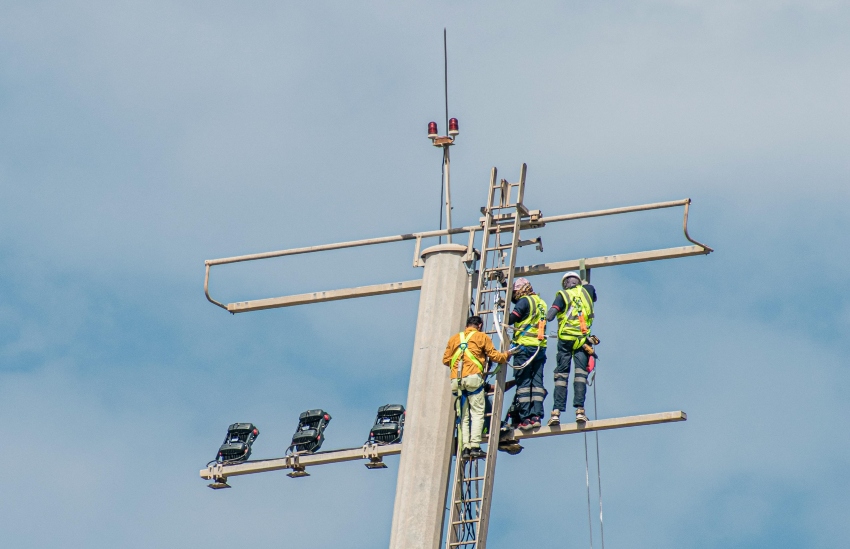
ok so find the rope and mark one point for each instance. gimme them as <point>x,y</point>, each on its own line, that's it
<point>587,481</point>
<point>598,470</point>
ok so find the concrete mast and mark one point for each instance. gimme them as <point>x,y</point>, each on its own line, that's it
<point>427,447</point>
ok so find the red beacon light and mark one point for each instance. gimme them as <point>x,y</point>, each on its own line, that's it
<point>432,130</point>
<point>453,127</point>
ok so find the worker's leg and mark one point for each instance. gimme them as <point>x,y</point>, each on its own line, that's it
<point>580,379</point>
<point>523,378</point>
<point>475,404</point>
<point>538,392</point>
<point>461,406</point>
<point>562,373</point>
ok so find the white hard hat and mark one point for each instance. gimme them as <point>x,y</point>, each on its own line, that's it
<point>568,275</point>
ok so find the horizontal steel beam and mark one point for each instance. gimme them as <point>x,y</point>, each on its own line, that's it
<point>217,471</point>
<point>598,425</point>
<point>373,453</point>
<point>330,295</point>
<point>443,232</point>
<point>413,285</point>
<point>611,260</point>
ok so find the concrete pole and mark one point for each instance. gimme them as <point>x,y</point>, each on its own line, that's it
<point>423,472</point>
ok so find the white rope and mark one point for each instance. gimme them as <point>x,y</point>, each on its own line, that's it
<point>587,481</point>
<point>598,470</point>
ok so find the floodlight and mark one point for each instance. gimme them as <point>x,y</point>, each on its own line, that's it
<point>237,444</point>
<point>389,425</point>
<point>309,435</point>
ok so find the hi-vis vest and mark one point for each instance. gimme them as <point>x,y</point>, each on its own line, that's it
<point>525,331</point>
<point>463,349</point>
<point>574,322</point>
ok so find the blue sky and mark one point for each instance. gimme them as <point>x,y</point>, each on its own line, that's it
<point>139,139</point>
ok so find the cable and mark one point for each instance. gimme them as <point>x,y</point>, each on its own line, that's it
<point>587,481</point>
<point>442,191</point>
<point>598,470</point>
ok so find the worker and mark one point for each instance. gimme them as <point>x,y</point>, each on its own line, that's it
<point>573,307</point>
<point>529,340</point>
<point>466,355</point>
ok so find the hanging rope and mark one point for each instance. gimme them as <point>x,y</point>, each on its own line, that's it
<point>587,481</point>
<point>598,471</point>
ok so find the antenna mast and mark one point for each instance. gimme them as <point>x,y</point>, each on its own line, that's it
<point>444,142</point>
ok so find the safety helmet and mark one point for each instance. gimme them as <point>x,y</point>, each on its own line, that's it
<point>570,274</point>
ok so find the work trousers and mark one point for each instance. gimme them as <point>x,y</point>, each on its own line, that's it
<point>469,406</point>
<point>566,354</point>
<point>530,393</point>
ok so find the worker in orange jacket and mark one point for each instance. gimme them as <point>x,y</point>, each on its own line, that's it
<point>467,355</point>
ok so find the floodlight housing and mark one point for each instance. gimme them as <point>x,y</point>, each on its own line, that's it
<point>237,444</point>
<point>389,425</point>
<point>310,433</point>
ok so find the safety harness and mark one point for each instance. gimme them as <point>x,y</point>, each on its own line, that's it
<point>460,355</point>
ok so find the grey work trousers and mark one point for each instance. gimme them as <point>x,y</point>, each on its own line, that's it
<point>566,354</point>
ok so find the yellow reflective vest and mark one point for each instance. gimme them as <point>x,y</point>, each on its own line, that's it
<point>525,331</point>
<point>575,320</point>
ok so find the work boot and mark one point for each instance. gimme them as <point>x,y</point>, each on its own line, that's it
<point>510,446</point>
<point>477,453</point>
<point>535,421</point>
<point>555,419</point>
<point>525,425</point>
<point>580,417</point>
<point>465,454</point>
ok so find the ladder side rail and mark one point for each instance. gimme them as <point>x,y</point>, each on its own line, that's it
<point>462,515</point>
<point>499,391</point>
<point>482,282</point>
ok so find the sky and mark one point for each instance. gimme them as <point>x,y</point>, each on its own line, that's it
<point>140,138</point>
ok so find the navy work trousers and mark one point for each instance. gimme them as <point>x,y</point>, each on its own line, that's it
<point>530,393</point>
<point>566,354</point>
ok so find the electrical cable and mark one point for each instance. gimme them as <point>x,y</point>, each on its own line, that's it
<point>442,191</point>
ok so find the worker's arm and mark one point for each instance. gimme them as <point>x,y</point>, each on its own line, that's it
<point>520,312</point>
<point>491,352</point>
<point>558,305</point>
<point>592,291</point>
<point>450,350</point>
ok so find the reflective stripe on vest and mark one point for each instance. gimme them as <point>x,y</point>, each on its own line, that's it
<point>463,348</point>
<point>578,303</point>
<point>525,331</point>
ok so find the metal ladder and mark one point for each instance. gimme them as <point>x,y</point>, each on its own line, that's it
<point>472,490</point>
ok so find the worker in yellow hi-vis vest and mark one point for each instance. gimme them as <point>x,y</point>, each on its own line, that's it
<point>529,321</point>
<point>468,354</point>
<point>573,307</point>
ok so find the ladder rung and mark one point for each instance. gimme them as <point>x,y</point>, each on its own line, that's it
<point>471,500</point>
<point>470,479</point>
<point>502,247</point>
<point>465,521</point>
<point>459,543</point>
